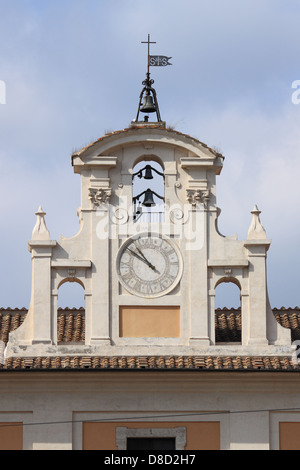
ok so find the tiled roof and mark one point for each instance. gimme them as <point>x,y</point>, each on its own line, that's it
<point>228,325</point>
<point>71,329</point>
<point>199,363</point>
<point>10,320</point>
<point>71,323</point>
<point>289,318</point>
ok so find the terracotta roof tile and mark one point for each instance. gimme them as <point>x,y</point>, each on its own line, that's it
<point>200,363</point>
<point>228,325</point>
<point>71,323</point>
<point>289,318</point>
<point>71,329</point>
<point>10,320</point>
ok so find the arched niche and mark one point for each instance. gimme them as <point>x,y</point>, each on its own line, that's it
<point>228,315</point>
<point>71,293</point>
<point>71,311</point>
<point>228,289</point>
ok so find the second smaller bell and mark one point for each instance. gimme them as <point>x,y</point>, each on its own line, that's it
<point>148,106</point>
<point>148,201</point>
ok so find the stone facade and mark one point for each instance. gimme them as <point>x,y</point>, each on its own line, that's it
<point>94,378</point>
<point>207,258</point>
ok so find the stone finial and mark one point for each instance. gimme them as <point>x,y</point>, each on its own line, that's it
<point>256,230</point>
<point>40,231</point>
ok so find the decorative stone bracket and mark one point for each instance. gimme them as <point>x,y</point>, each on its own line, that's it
<point>198,196</point>
<point>99,196</point>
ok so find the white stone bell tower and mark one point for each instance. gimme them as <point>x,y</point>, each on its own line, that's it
<point>149,281</point>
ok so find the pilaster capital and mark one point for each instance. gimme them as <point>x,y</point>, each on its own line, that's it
<point>257,247</point>
<point>198,196</point>
<point>41,247</point>
<point>99,196</point>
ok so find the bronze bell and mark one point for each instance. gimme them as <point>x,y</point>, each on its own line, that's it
<point>148,173</point>
<point>148,201</point>
<point>148,106</point>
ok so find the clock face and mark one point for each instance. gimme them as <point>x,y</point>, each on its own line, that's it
<point>149,266</point>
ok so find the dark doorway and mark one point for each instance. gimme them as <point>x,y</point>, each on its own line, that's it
<point>146,443</point>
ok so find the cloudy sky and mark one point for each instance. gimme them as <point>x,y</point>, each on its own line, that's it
<point>73,69</point>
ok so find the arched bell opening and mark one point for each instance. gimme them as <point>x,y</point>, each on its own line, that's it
<point>148,190</point>
<point>228,315</point>
<point>71,311</point>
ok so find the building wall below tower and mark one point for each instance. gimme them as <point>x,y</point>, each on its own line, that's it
<point>88,409</point>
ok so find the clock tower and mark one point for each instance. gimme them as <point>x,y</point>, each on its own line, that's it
<point>148,253</point>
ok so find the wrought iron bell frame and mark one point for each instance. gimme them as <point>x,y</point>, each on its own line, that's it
<point>148,89</point>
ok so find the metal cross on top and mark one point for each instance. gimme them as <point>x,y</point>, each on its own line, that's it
<point>148,42</point>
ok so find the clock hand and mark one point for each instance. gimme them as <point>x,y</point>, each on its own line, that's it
<point>152,267</point>
<point>142,254</point>
<point>141,259</point>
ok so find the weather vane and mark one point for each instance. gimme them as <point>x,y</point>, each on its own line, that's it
<point>150,106</point>
<point>156,60</point>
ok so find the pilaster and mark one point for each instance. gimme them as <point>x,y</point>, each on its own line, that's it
<point>198,301</point>
<point>100,301</point>
<point>257,300</point>
<point>41,290</point>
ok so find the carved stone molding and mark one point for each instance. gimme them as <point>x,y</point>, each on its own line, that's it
<point>99,196</point>
<point>119,215</point>
<point>179,433</point>
<point>71,274</point>
<point>197,196</point>
<point>178,216</point>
